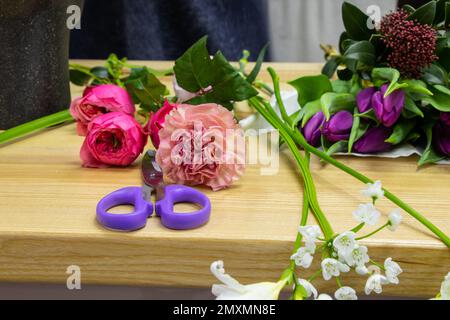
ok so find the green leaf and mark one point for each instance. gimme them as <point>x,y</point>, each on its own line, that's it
<point>362,52</point>
<point>425,14</point>
<point>429,155</point>
<point>344,36</point>
<point>408,8</point>
<point>311,88</point>
<point>78,77</point>
<point>401,131</point>
<point>332,102</point>
<point>339,146</point>
<point>100,72</point>
<point>355,22</point>
<point>255,71</point>
<point>412,107</point>
<point>309,110</point>
<point>215,78</point>
<point>440,12</point>
<point>330,67</point>
<point>192,69</point>
<point>442,89</point>
<point>369,114</point>
<point>341,86</point>
<point>417,86</point>
<point>146,89</point>
<point>358,129</point>
<point>435,75</point>
<point>440,99</point>
<point>390,74</point>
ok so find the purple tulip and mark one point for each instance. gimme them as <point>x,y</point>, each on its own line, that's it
<point>445,118</point>
<point>312,128</point>
<point>388,109</point>
<point>364,99</point>
<point>441,138</point>
<point>374,140</point>
<point>338,127</point>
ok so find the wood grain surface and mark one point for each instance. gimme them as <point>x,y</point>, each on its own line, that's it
<point>47,218</point>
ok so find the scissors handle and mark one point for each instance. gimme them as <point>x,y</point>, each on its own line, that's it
<point>175,193</point>
<point>129,221</point>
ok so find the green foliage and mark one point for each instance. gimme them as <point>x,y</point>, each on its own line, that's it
<point>311,88</point>
<point>425,14</point>
<point>355,22</point>
<point>215,80</point>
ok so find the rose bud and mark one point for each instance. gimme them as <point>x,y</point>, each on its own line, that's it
<point>441,138</point>
<point>156,122</point>
<point>312,128</point>
<point>364,99</point>
<point>98,100</point>
<point>338,127</point>
<point>374,140</point>
<point>445,118</point>
<point>113,139</point>
<point>388,109</point>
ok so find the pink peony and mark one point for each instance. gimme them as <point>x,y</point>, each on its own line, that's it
<point>202,144</point>
<point>156,122</point>
<point>113,139</point>
<point>99,100</point>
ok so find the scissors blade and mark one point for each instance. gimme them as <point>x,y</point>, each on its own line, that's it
<point>152,174</point>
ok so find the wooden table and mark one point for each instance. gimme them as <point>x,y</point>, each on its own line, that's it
<point>47,219</point>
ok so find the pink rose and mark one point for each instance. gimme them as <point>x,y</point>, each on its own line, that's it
<point>98,100</point>
<point>113,139</point>
<point>201,144</point>
<point>156,122</point>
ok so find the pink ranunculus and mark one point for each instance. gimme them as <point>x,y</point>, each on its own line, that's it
<point>98,100</point>
<point>156,122</point>
<point>201,144</point>
<point>113,139</point>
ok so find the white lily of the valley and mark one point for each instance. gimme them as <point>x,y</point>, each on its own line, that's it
<point>357,258</point>
<point>333,268</point>
<point>395,217</point>
<point>367,213</point>
<point>303,257</point>
<point>445,288</point>
<point>231,289</point>
<point>310,235</point>
<point>374,190</point>
<point>345,243</point>
<point>374,283</point>
<point>324,296</point>
<point>309,288</point>
<point>392,270</point>
<point>345,293</point>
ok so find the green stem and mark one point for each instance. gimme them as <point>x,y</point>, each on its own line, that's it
<point>304,168</point>
<point>358,227</point>
<point>299,139</point>
<point>373,232</point>
<point>35,125</point>
<point>314,275</point>
<point>276,87</point>
<point>263,86</point>
<point>87,71</point>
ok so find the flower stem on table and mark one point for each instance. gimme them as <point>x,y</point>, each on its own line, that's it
<point>35,125</point>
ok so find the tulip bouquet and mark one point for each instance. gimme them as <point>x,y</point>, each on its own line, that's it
<point>392,88</point>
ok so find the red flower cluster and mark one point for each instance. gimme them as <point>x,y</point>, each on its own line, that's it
<point>412,44</point>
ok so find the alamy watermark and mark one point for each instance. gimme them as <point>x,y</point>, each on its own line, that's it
<point>74,19</point>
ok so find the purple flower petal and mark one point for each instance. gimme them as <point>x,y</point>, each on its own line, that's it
<point>364,98</point>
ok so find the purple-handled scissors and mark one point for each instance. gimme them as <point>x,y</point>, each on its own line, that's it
<point>140,198</point>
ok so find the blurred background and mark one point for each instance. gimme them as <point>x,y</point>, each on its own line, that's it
<point>164,29</point>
